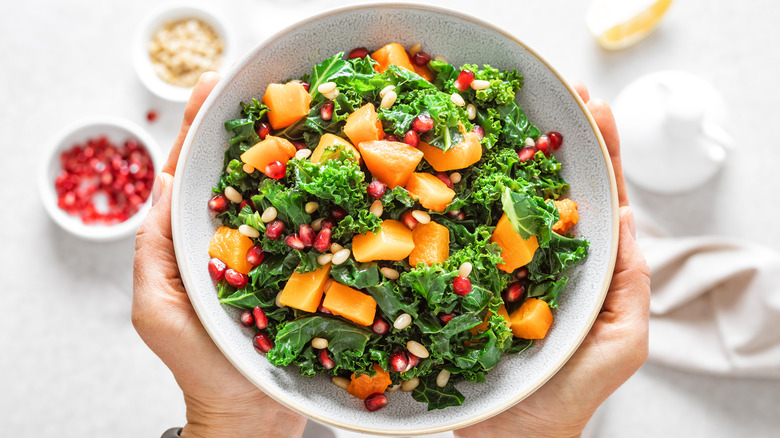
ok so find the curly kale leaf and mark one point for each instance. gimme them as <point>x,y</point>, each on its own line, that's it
<point>543,174</point>
<point>530,215</point>
<point>288,201</point>
<point>552,259</point>
<point>515,125</point>
<point>361,222</point>
<point>437,398</point>
<point>339,181</point>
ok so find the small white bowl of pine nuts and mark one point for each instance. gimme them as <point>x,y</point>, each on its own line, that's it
<point>175,44</point>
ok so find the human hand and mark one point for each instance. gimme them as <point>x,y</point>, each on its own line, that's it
<point>616,345</point>
<point>220,401</point>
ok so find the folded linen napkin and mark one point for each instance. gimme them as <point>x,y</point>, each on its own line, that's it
<point>715,305</point>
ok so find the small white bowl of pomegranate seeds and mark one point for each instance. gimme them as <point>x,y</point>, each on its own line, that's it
<point>96,180</point>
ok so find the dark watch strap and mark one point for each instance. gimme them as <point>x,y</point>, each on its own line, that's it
<point>173,432</point>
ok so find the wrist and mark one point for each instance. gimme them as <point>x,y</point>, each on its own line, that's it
<point>254,417</point>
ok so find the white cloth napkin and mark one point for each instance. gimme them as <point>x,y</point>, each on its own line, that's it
<point>715,305</point>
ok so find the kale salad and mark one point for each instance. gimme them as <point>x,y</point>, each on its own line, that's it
<point>393,222</point>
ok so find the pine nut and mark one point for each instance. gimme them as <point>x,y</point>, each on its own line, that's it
<point>457,99</point>
<point>442,378</point>
<point>233,195</point>
<point>332,95</point>
<point>386,90</point>
<point>303,154</point>
<point>415,49</point>
<point>529,142</point>
<point>441,59</point>
<point>403,321</point>
<point>480,84</point>
<point>465,269</point>
<point>317,224</point>
<point>324,259</point>
<point>269,214</point>
<point>335,247</point>
<point>421,216</point>
<point>248,231</point>
<point>228,170</point>
<point>471,111</point>
<point>248,168</point>
<point>409,385</point>
<point>393,388</point>
<point>340,257</point>
<point>388,100</point>
<point>278,300</point>
<point>311,207</point>
<point>327,87</point>
<point>455,177</point>
<point>322,343</point>
<point>417,349</point>
<point>376,208</point>
<point>390,273</point>
<point>341,382</point>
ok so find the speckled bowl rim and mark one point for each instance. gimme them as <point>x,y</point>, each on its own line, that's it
<point>218,338</point>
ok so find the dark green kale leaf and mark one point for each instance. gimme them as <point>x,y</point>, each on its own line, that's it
<point>490,120</point>
<point>553,258</point>
<point>432,283</point>
<point>339,181</point>
<point>530,215</point>
<point>515,125</point>
<point>275,269</point>
<point>543,175</point>
<point>357,275</point>
<point>548,290</point>
<point>389,298</point>
<point>359,223</point>
<point>288,201</point>
<point>437,398</point>
<point>519,345</point>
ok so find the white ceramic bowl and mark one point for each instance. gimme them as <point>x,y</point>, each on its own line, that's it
<point>117,130</point>
<point>155,20</point>
<point>548,101</point>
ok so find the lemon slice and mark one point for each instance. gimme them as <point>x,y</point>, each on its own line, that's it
<point>617,24</point>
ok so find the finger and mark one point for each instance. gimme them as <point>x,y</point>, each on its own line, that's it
<point>629,292</point>
<point>602,114</point>
<point>581,89</point>
<point>205,84</point>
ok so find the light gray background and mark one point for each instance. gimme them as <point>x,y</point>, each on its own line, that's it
<point>71,364</point>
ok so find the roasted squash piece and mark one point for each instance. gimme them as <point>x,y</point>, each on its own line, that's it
<point>467,152</point>
<point>532,319</point>
<point>515,250</point>
<point>392,54</point>
<point>304,291</point>
<point>430,191</point>
<point>389,161</point>
<point>350,303</point>
<point>364,125</point>
<point>363,385</point>
<point>392,242</point>
<point>267,151</point>
<point>230,246</point>
<point>331,146</point>
<point>431,244</point>
<point>286,103</point>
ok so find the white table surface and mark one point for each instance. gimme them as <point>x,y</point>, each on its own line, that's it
<point>71,364</point>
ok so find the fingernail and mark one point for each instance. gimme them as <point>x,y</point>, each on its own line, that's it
<point>157,188</point>
<point>627,213</point>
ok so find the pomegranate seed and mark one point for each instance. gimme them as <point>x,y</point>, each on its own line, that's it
<point>298,145</point>
<point>526,153</point>
<point>254,255</point>
<point>306,233</point>
<point>465,78</point>
<point>218,203</point>
<point>261,321</point>
<point>413,361</point>
<point>246,319</point>
<point>306,85</point>
<point>246,202</point>
<point>453,214</point>
<point>461,216</point>
<point>375,401</point>
<point>392,137</point>
<point>274,229</point>
<point>513,292</point>
<point>522,273</point>
<point>398,361</point>
<point>359,52</point>
<point>263,129</point>
<point>151,116</point>
<point>412,138</point>
<point>408,220</point>
<point>326,110</point>
<point>325,359</point>
<point>480,131</point>
<point>217,269</point>
<point>446,317</point>
<point>376,189</point>
<point>262,343</point>
<point>461,285</point>
<point>380,326</point>
<point>328,223</point>
<point>236,279</point>
<point>445,179</point>
<point>543,144</point>
<point>421,59</point>
<point>324,310</point>
<point>338,213</point>
<point>322,241</point>
<point>276,170</point>
<point>556,139</point>
<point>294,241</point>
<point>422,123</point>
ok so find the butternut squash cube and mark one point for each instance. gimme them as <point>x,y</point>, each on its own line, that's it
<point>331,146</point>
<point>425,72</point>
<point>515,250</point>
<point>363,385</point>
<point>390,161</point>
<point>392,242</point>
<point>460,156</point>
<point>431,244</point>
<point>350,303</point>
<point>531,320</point>
<point>568,215</point>
<point>267,151</point>
<point>364,125</point>
<point>230,246</point>
<point>286,103</point>
<point>392,54</point>
<point>304,291</point>
<point>430,191</point>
